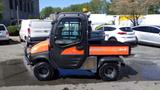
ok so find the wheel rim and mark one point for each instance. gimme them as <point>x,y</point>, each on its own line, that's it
<point>43,72</point>
<point>110,72</point>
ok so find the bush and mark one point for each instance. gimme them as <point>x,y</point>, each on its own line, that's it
<point>13,30</point>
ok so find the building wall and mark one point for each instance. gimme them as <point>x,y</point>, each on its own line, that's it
<point>26,9</point>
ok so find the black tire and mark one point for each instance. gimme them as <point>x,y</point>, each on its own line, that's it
<point>112,39</point>
<point>7,42</point>
<point>136,40</point>
<point>109,72</point>
<point>44,72</point>
<point>20,39</point>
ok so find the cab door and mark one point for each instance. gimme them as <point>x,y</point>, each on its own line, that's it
<point>69,47</point>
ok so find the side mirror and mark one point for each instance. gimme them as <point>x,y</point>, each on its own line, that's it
<point>53,22</point>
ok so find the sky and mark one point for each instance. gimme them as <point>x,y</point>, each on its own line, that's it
<point>60,3</point>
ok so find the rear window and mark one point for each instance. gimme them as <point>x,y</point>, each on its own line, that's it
<point>109,28</point>
<point>126,29</point>
<point>2,28</point>
<point>41,25</point>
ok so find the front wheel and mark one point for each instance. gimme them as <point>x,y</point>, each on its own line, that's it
<point>109,72</point>
<point>43,71</point>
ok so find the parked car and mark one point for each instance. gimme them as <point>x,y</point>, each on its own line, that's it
<point>4,34</point>
<point>97,36</point>
<point>35,30</point>
<point>148,34</point>
<point>119,33</point>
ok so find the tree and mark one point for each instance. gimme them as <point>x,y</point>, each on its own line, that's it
<point>77,7</point>
<point>132,9</point>
<point>99,6</point>
<point>45,12</point>
<point>154,9</point>
<point>1,9</point>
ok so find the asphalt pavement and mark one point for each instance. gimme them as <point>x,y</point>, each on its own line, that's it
<point>142,65</point>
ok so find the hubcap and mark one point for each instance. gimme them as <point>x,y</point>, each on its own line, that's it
<point>110,72</point>
<point>43,71</point>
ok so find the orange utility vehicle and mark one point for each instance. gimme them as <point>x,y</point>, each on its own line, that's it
<point>68,47</point>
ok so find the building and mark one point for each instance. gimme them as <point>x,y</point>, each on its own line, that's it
<point>12,9</point>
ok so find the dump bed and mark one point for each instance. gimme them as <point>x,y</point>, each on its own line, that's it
<point>110,48</point>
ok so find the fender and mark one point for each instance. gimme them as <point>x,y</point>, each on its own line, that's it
<point>42,57</point>
<point>116,60</point>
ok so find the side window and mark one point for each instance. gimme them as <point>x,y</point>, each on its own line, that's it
<point>154,30</point>
<point>136,29</point>
<point>142,29</point>
<point>148,29</point>
<point>68,31</point>
<point>109,28</point>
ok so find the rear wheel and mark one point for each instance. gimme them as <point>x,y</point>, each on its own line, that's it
<point>109,72</point>
<point>113,39</point>
<point>7,42</point>
<point>43,71</point>
<point>20,39</point>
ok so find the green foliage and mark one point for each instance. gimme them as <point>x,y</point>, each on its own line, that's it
<point>76,7</point>
<point>48,10</point>
<point>154,9</point>
<point>13,30</point>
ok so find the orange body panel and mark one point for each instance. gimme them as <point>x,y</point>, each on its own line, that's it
<point>72,51</point>
<point>108,50</point>
<point>40,47</point>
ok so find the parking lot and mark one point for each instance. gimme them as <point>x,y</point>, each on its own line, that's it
<point>142,65</point>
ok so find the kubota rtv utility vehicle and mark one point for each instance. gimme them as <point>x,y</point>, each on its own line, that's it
<point>69,48</point>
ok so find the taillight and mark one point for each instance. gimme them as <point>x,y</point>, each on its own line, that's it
<point>29,31</point>
<point>7,33</point>
<point>122,33</point>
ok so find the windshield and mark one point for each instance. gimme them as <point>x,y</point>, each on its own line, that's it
<point>41,24</point>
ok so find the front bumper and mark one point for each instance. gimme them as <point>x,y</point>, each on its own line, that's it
<point>27,55</point>
<point>4,38</point>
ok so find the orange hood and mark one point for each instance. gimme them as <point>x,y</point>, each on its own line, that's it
<point>40,47</point>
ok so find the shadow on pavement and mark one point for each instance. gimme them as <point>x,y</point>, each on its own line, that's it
<point>150,45</point>
<point>14,73</point>
<point>11,42</point>
<point>127,72</point>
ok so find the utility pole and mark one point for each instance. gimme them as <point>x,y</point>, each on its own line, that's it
<point>17,17</point>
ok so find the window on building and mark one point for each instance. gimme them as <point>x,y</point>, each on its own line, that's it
<point>32,9</point>
<point>16,3</point>
<point>25,5</point>
<point>11,4</point>
<point>20,5</point>
<point>28,7</point>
